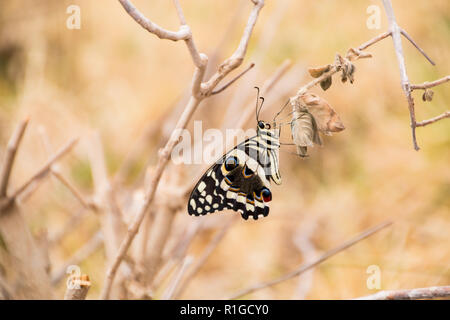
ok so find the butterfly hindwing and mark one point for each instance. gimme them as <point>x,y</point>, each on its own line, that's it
<point>207,196</point>
<point>237,182</point>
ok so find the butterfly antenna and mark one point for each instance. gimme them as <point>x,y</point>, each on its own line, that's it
<point>259,111</point>
<point>257,99</point>
<point>281,110</point>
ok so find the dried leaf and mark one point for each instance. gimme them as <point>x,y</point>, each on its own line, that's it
<point>346,66</point>
<point>326,118</point>
<point>326,83</point>
<point>318,71</point>
<point>428,95</point>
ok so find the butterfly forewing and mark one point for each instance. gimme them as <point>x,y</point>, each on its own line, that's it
<point>240,179</point>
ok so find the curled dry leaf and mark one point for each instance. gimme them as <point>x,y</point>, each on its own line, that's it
<point>325,116</point>
<point>326,83</point>
<point>312,114</point>
<point>346,67</point>
<point>318,71</point>
<point>428,95</point>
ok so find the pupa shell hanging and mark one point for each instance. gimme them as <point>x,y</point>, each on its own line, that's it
<point>311,115</point>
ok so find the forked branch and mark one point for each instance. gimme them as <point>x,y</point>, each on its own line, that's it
<point>199,92</point>
<point>314,263</point>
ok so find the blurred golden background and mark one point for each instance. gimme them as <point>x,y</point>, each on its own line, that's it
<point>114,77</point>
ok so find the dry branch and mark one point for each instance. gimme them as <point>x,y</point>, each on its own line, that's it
<point>238,56</point>
<point>82,254</point>
<point>395,32</point>
<point>314,263</point>
<point>199,91</point>
<point>407,36</point>
<point>169,293</point>
<point>78,289</point>
<point>233,80</point>
<point>68,227</point>
<point>396,38</point>
<point>177,253</point>
<point>46,167</point>
<point>334,69</point>
<point>182,34</point>
<point>410,294</point>
<point>157,239</point>
<point>433,120</point>
<point>54,169</point>
<point>431,84</point>
<point>8,162</point>
<point>183,283</point>
<point>25,259</point>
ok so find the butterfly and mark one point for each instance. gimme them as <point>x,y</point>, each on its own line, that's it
<point>240,179</point>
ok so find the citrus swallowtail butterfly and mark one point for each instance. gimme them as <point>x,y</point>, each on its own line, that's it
<point>240,180</point>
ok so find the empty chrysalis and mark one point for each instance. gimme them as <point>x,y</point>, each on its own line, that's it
<point>304,130</point>
<point>311,115</point>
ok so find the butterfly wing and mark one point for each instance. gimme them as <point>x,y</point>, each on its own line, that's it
<point>237,182</point>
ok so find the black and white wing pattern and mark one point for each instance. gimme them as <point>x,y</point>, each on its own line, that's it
<point>240,179</point>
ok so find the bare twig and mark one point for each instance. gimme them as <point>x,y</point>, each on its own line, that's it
<point>433,120</point>
<point>178,253</point>
<point>200,61</point>
<point>113,226</point>
<point>410,294</point>
<point>396,37</point>
<point>314,263</point>
<point>233,80</point>
<point>182,34</point>
<point>85,203</point>
<point>407,36</point>
<point>396,32</point>
<point>302,240</point>
<point>68,227</point>
<point>45,168</point>
<point>238,56</point>
<point>204,257</point>
<point>168,294</point>
<point>427,85</point>
<point>333,70</point>
<point>54,169</point>
<point>157,240</point>
<point>82,254</point>
<point>78,288</point>
<point>372,41</point>
<point>8,162</point>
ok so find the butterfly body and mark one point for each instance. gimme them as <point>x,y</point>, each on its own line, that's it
<point>240,180</point>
